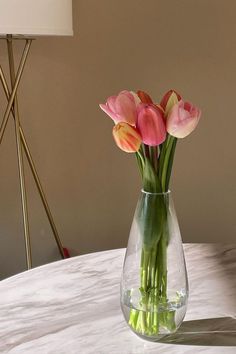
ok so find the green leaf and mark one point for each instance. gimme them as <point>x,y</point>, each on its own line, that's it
<point>170,164</point>
<point>151,182</point>
<point>166,162</point>
<point>151,216</point>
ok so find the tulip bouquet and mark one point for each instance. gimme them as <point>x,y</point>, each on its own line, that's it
<point>151,131</point>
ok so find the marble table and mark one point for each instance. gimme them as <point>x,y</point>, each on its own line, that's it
<point>72,306</point>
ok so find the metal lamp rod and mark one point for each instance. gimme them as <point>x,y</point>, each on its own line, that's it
<point>20,138</point>
<point>16,84</point>
<point>34,171</point>
<point>20,158</point>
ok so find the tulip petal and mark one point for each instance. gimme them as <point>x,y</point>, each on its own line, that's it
<point>125,107</point>
<point>126,137</point>
<point>169,100</point>
<point>129,94</point>
<point>144,97</point>
<point>151,125</point>
<point>182,119</point>
<point>173,99</point>
<point>111,103</point>
<point>110,113</point>
<point>136,98</point>
<point>184,128</point>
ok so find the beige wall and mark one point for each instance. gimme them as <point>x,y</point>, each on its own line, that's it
<point>92,186</point>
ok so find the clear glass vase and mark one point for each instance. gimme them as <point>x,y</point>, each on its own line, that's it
<point>154,285</point>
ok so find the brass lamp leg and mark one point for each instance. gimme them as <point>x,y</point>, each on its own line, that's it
<point>14,89</point>
<point>41,193</point>
<point>20,159</point>
<point>34,171</point>
<point>12,106</point>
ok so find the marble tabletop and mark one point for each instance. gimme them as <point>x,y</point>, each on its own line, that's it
<point>72,307</point>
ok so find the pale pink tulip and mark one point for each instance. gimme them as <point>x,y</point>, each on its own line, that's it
<point>123,107</point>
<point>127,137</point>
<point>151,124</point>
<point>182,119</point>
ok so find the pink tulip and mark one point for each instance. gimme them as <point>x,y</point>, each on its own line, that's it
<point>166,97</point>
<point>182,119</point>
<point>151,124</point>
<point>144,97</point>
<point>123,107</point>
<point>127,137</point>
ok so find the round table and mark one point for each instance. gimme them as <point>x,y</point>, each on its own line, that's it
<point>72,306</point>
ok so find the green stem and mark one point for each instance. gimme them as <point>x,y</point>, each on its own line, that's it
<point>140,156</point>
<point>163,148</point>
<point>146,149</point>
<point>154,157</point>
<point>170,164</point>
<point>144,270</point>
<point>140,164</point>
<point>166,161</point>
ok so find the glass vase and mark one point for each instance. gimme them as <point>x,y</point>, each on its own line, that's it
<point>154,285</point>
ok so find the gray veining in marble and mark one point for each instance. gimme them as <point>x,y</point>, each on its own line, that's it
<point>72,307</point>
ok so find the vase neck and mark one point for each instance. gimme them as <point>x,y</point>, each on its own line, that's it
<point>162,194</point>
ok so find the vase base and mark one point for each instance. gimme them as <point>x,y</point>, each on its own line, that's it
<point>158,338</point>
<point>154,326</point>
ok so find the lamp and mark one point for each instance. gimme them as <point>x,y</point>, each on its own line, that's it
<point>20,20</point>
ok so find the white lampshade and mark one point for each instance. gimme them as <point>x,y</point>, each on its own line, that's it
<point>36,17</point>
